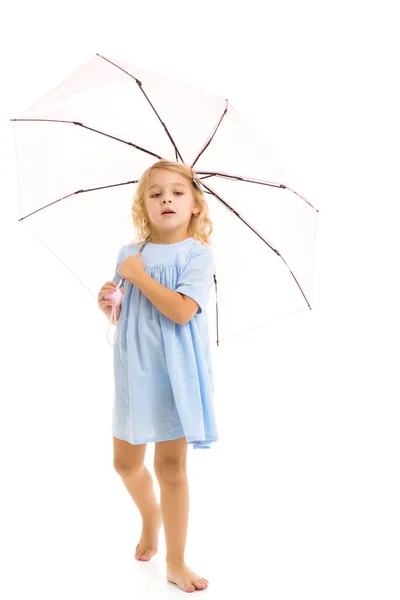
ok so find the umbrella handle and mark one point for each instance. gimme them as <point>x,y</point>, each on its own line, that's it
<point>116,299</point>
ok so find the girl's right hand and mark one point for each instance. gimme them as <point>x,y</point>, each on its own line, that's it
<point>106,305</point>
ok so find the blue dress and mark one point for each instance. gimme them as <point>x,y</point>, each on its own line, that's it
<point>163,376</point>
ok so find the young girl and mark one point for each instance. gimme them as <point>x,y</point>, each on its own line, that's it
<point>162,363</point>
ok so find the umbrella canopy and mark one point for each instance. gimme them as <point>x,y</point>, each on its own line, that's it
<point>82,148</point>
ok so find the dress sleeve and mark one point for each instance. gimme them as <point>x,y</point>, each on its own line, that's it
<point>196,278</point>
<point>120,258</point>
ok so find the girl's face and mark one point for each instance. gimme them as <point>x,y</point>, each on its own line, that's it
<point>169,191</point>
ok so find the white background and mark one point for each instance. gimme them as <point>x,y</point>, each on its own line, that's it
<point>305,503</point>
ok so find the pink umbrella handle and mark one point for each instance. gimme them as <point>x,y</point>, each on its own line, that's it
<point>116,298</point>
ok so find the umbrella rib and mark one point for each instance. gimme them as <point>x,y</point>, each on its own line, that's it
<point>238,177</point>
<point>113,137</point>
<point>252,180</point>
<point>211,136</point>
<point>74,194</point>
<point>228,206</point>
<point>139,83</point>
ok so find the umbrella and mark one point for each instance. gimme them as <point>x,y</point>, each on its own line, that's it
<point>82,148</point>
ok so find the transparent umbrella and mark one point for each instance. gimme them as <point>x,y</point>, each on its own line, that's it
<point>82,148</point>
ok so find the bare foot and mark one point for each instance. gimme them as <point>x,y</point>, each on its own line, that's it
<point>148,544</point>
<point>184,578</point>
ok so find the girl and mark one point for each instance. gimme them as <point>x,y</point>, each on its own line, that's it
<point>162,363</point>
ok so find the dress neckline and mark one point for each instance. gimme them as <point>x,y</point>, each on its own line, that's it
<point>174,244</point>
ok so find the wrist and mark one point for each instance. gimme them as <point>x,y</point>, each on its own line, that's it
<point>137,279</point>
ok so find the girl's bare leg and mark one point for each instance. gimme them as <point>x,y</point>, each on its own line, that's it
<point>170,468</point>
<point>129,464</point>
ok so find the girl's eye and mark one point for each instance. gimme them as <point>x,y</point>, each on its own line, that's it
<point>180,193</point>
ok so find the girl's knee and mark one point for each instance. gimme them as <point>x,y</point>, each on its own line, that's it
<point>171,470</point>
<point>128,458</point>
<point>125,468</point>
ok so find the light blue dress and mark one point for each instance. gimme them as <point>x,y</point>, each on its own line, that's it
<point>163,376</point>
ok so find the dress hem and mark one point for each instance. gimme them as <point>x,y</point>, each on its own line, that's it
<point>197,443</point>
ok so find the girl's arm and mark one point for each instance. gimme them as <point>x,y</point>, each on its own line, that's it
<point>169,303</point>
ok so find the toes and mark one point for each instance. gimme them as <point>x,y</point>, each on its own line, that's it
<point>189,588</point>
<point>199,584</point>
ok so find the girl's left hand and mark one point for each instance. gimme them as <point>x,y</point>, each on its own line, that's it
<point>132,268</point>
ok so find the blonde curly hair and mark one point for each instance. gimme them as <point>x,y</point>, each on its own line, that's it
<point>200,228</point>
